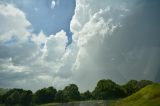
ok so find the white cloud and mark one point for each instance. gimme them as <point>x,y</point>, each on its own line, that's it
<point>55,46</point>
<point>24,61</point>
<point>92,23</point>
<point>39,39</point>
<point>13,23</point>
<point>53,3</point>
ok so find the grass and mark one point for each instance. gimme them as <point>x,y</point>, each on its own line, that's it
<point>148,96</point>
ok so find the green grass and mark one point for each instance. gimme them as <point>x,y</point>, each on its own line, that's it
<point>148,96</point>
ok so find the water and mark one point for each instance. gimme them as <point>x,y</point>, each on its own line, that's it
<point>88,103</point>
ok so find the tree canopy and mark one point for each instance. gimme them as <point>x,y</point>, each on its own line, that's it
<point>71,93</point>
<point>17,96</point>
<point>107,89</point>
<point>133,86</point>
<point>45,95</point>
<point>104,90</point>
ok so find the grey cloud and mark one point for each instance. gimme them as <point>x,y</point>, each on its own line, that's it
<point>19,52</point>
<point>130,52</point>
<point>139,42</point>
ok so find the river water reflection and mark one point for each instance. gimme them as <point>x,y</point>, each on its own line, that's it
<point>88,103</point>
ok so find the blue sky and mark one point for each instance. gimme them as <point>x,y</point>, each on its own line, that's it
<point>49,16</point>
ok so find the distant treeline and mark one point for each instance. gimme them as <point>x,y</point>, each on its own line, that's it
<point>104,90</point>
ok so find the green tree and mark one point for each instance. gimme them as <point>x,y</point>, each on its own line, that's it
<point>107,89</point>
<point>86,95</point>
<point>45,95</point>
<point>133,86</point>
<point>141,84</point>
<point>13,99</point>
<point>1,99</point>
<point>71,93</point>
<point>130,87</point>
<point>60,97</point>
<point>17,96</point>
<point>26,98</point>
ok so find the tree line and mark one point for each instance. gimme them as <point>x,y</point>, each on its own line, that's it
<point>104,90</point>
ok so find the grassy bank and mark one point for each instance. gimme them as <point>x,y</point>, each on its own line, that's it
<point>148,96</point>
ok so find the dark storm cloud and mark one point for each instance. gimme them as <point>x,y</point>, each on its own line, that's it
<point>137,42</point>
<point>132,52</point>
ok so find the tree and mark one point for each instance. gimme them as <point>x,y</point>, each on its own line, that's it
<point>71,93</point>
<point>86,95</point>
<point>26,98</point>
<point>107,89</point>
<point>130,87</point>
<point>60,97</point>
<point>45,95</point>
<point>17,97</point>
<point>133,86</point>
<point>141,84</point>
<point>1,99</point>
<point>13,99</point>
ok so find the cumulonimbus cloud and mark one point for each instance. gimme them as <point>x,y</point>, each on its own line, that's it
<point>118,40</point>
<point>112,39</point>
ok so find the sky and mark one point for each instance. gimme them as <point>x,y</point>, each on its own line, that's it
<point>57,42</point>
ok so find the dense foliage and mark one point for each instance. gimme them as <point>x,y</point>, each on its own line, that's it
<point>133,86</point>
<point>105,89</point>
<point>17,96</point>
<point>86,95</point>
<point>60,96</point>
<point>71,93</point>
<point>45,95</point>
